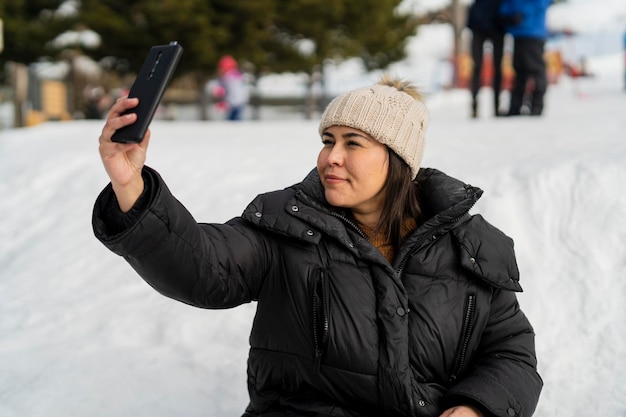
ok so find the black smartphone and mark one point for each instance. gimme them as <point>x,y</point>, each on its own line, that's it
<point>149,86</point>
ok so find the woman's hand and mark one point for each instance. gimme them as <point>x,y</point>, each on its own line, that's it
<point>462,411</point>
<point>123,162</point>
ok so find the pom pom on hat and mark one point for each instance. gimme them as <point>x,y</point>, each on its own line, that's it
<point>389,115</point>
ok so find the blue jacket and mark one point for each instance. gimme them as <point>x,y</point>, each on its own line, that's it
<point>531,15</point>
<point>483,17</point>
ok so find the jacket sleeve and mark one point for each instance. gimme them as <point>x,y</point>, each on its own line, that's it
<point>204,265</point>
<point>503,380</point>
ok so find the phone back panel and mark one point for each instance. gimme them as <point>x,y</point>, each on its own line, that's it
<point>149,86</point>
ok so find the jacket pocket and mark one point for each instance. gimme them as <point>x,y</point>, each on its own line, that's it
<point>320,315</point>
<point>460,357</point>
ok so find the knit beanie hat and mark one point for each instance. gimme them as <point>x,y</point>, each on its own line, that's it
<point>389,115</point>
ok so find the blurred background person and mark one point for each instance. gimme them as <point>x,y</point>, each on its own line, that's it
<point>483,22</point>
<point>232,90</point>
<point>525,20</point>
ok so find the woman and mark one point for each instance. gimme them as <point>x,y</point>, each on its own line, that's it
<point>377,293</point>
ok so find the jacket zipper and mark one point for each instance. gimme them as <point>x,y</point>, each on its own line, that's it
<point>320,318</point>
<point>349,222</point>
<point>466,333</point>
<point>410,253</point>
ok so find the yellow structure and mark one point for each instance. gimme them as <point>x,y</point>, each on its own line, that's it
<point>53,104</point>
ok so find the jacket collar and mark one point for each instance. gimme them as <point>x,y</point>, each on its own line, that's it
<point>444,200</point>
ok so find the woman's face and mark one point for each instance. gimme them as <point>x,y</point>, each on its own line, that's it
<point>353,168</point>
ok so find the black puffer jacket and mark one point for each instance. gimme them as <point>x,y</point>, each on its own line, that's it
<point>338,330</point>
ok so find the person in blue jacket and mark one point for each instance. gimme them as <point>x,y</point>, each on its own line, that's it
<point>525,20</point>
<point>485,26</point>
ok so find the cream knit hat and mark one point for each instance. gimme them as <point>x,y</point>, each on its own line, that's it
<point>389,115</point>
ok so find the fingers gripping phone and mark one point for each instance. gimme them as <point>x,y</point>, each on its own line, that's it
<point>149,86</point>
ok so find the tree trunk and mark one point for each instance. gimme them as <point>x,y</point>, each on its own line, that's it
<point>18,74</point>
<point>458,16</point>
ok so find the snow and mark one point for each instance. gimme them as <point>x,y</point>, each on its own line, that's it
<point>81,334</point>
<point>587,15</point>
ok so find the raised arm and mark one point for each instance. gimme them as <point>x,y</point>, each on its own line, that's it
<point>123,162</point>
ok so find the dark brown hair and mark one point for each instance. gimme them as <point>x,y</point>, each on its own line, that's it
<point>401,200</point>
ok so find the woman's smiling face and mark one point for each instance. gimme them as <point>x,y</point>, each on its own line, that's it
<point>353,168</point>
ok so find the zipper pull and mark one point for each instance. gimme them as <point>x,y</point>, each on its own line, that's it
<point>318,360</point>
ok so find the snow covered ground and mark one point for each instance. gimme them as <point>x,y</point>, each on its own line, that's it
<point>82,335</point>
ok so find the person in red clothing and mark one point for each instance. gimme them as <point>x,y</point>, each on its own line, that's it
<point>234,89</point>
